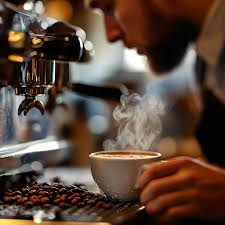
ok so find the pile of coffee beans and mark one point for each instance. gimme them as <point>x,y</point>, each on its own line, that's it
<point>56,194</point>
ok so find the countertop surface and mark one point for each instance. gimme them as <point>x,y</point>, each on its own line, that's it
<point>82,175</point>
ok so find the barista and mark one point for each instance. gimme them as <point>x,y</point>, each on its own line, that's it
<point>162,29</point>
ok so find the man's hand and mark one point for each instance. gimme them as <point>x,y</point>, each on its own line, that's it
<point>183,188</point>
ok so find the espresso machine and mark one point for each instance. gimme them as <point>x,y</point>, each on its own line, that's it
<point>35,56</point>
<point>34,61</point>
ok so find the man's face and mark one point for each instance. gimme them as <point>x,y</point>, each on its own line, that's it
<point>142,25</point>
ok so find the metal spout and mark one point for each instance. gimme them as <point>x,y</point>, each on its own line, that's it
<point>28,103</point>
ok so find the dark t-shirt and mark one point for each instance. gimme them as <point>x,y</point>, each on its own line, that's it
<point>211,128</point>
<point>211,76</point>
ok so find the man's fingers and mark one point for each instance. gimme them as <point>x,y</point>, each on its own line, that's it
<point>161,186</point>
<point>158,170</point>
<point>155,171</point>
<point>170,200</point>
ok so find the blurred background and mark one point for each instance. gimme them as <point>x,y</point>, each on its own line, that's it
<point>87,121</point>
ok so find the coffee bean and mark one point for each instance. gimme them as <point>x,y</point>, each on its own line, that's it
<point>33,197</point>
<point>98,195</point>
<point>86,199</point>
<point>44,200</point>
<point>86,193</point>
<point>78,198</point>
<point>99,204</point>
<point>77,190</point>
<point>70,198</point>
<point>64,196</point>
<point>74,201</point>
<point>101,198</point>
<point>76,195</point>
<point>57,201</point>
<point>33,191</point>
<point>28,204</point>
<point>21,200</point>
<point>46,206</point>
<point>10,194</point>
<point>55,184</point>
<point>44,193</point>
<point>106,205</point>
<point>62,205</point>
<point>91,194</point>
<point>17,193</point>
<point>24,190</point>
<point>54,188</point>
<point>69,192</point>
<point>61,185</point>
<point>35,187</point>
<point>45,187</point>
<point>83,196</point>
<point>17,197</point>
<point>91,202</point>
<point>54,193</point>
<point>62,190</point>
<point>80,204</point>
<point>8,199</point>
<point>36,201</point>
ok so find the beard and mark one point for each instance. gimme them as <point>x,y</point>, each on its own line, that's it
<point>169,53</point>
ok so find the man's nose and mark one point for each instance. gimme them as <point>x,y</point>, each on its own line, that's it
<point>113,30</point>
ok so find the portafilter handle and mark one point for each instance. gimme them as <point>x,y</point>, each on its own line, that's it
<point>112,92</point>
<point>108,92</point>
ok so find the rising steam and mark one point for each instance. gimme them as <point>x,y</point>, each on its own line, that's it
<point>139,122</point>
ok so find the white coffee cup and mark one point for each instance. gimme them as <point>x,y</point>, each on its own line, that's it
<point>115,172</point>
